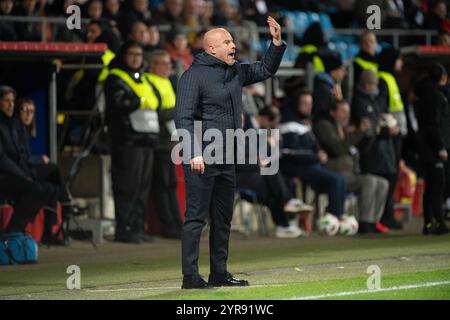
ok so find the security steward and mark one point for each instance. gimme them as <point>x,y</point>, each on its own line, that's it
<point>164,178</point>
<point>133,129</point>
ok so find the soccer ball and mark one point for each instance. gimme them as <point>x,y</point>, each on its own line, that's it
<point>329,225</point>
<point>348,226</point>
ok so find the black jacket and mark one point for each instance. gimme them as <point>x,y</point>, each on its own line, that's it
<point>431,108</point>
<point>13,154</point>
<point>211,91</point>
<point>121,101</point>
<point>378,154</point>
<point>298,144</point>
<point>323,95</point>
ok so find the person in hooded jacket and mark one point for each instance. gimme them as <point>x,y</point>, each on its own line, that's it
<point>430,109</point>
<point>302,156</point>
<point>131,118</point>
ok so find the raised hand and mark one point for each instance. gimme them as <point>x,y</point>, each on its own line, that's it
<point>275,30</point>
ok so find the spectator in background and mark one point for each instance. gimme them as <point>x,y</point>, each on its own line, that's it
<point>431,108</point>
<point>437,15</point>
<point>139,33</point>
<point>179,50</point>
<point>164,176</point>
<point>46,171</point>
<point>338,139</point>
<point>154,41</point>
<point>207,13</point>
<point>170,13</point>
<point>366,59</point>
<point>313,44</point>
<point>17,179</point>
<point>272,190</point>
<point>8,30</point>
<point>225,13</point>
<point>136,10</point>
<point>94,9</point>
<point>304,159</point>
<point>28,31</point>
<point>378,154</point>
<point>191,16</point>
<point>111,10</point>
<point>258,10</point>
<point>444,39</point>
<point>327,84</point>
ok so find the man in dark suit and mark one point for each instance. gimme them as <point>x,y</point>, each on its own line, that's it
<point>210,91</point>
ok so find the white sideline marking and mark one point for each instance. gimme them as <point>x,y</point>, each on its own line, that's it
<point>351,293</point>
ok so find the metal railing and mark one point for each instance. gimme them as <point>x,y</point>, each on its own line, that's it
<point>253,30</point>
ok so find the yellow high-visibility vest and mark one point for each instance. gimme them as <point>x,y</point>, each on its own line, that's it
<point>106,60</point>
<point>366,65</point>
<point>165,89</point>
<point>143,90</point>
<point>395,98</point>
<point>317,61</point>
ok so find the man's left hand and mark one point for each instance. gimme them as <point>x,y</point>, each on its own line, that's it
<point>275,31</point>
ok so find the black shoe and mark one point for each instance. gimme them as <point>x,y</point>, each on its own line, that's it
<point>364,228</point>
<point>129,238</point>
<point>427,229</point>
<point>441,229</point>
<point>226,280</point>
<point>146,238</point>
<point>194,282</point>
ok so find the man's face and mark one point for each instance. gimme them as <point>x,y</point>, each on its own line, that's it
<point>140,34</point>
<point>27,112</point>
<point>305,104</point>
<point>369,43</point>
<point>342,114</point>
<point>140,5</point>
<point>112,6</point>
<point>93,32</point>
<point>154,35</point>
<point>133,58</point>
<point>174,7</point>
<point>6,6</point>
<point>224,48</point>
<point>180,42</point>
<point>162,66</point>
<point>7,104</point>
<point>95,10</point>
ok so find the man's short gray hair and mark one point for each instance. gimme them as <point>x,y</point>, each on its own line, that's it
<point>4,90</point>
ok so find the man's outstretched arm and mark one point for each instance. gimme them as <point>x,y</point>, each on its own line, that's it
<point>268,66</point>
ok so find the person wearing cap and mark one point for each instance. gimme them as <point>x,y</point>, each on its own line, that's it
<point>366,59</point>
<point>431,107</point>
<point>377,155</point>
<point>327,84</point>
<point>133,129</point>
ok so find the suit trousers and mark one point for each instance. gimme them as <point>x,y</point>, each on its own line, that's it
<point>210,193</point>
